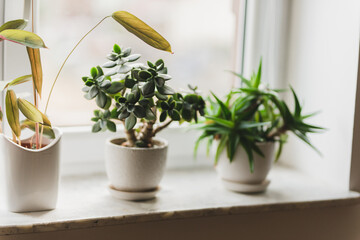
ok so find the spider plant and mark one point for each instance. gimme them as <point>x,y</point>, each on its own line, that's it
<point>252,114</point>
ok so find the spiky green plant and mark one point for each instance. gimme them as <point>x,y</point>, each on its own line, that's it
<point>253,114</point>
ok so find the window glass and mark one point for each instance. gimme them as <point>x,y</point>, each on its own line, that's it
<point>201,33</point>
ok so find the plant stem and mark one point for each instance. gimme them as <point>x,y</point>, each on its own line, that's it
<point>62,66</point>
<point>34,88</point>
<point>147,132</point>
<point>161,127</point>
<point>278,132</point>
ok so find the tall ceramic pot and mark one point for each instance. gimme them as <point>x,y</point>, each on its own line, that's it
<point>236,176</point>
<point>135,173</point>
<point>31,176</point>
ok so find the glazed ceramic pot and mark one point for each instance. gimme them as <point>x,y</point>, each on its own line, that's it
<point>133,169</point>
<point>237,176</point>
<point>31,176</point>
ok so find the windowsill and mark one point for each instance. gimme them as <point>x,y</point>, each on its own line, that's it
<point>84,201</point>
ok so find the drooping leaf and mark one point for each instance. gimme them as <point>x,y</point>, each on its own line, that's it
<point>14,24</point>
<point>12,112</point>
<point>26,38</point>
<point>36,69</point>
<point>29,110</point>
<point>18,80</point>
<point>141,30</point>
<point>47,130</point>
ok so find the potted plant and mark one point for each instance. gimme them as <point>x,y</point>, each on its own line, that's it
<point>32,164</point>
<point>247,126</point>
<point>139,97</point>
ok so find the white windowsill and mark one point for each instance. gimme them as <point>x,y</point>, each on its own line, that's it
<point>84,201</point>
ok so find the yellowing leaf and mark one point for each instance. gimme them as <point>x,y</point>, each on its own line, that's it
<point>141,30</point>
<point>36,69</point>
<point>18,80</point>
<point>46,120</point>
<point>14,24</point>
<point>26,38</point>
<point>29,110</point>
<point>48,131</point>
<point>12,112</point>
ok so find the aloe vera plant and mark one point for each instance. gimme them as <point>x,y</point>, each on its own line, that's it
<point>253,114</point>
<point>35,119</point>
<point>132,92</point>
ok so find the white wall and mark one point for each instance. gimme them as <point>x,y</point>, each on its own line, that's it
<point>322,68</point>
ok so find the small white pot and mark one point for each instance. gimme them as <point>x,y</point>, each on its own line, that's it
<point>31,176</point>
<point>237,176</point>
<point>132,169</point>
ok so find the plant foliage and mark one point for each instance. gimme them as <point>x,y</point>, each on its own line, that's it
<point>133,92</point>
<point>253,114</point>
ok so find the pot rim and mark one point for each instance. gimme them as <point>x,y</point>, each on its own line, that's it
<point>162,140</point>
<point>58,135</point>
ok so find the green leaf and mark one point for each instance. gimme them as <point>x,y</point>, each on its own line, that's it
<point>163,116</point>
<point>12,112</point>
<point>29,110</point>
<point>130,122</point>
<point>175,115</point>
<point>14,24</point>
<point>101,99</point>
<point>150,115</point>
<point>111,126</point>
<point>93,72</point>
<point>226,112</point>
<point>96,127</point>
<point>166,90</point>
<point>115,87</point>
<point>220,147</point>
<point>94,91</point>
<point>117,49</point>
<point>258,76</point>
<point>141,30</point>
<point>297,111</point>
<point>26,38</point>
<point>222,122</point>
<point>18,80</point>
<point>139,111</point>
<point>148,88</point>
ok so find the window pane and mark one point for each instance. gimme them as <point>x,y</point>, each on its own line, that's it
<point>201,33</point>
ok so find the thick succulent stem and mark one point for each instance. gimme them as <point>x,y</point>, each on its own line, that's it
<point>130,138</point>
<point>146,134</point>
<point>161,127</point>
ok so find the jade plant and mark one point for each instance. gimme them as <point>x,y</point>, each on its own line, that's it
<point>132,92</point>
<point>251,114</point>
<point>35,119</point>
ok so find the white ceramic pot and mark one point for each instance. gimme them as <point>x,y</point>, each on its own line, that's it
<point>132,169</point>
<point>237,175</point>
<point>31,176</point>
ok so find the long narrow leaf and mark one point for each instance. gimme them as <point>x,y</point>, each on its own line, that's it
<point>26,38</point>
<point>12,112</point>
<point>29,110</point>
<point>36,69</point>
<point>141,30</point>
<point>18,80</point>
<point>222,122</point>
